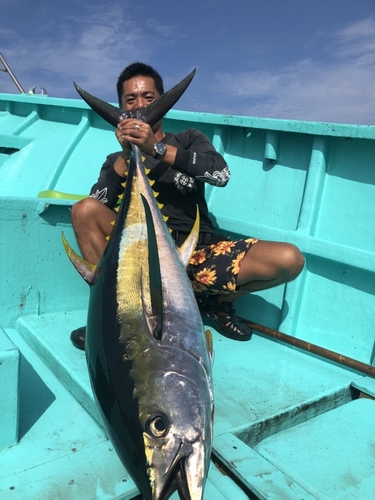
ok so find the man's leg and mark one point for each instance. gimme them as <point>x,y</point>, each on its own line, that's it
<point>265,265</point>
<point>92,225</point>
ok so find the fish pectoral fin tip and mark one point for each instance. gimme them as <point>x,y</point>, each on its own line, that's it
<point>153,326</point>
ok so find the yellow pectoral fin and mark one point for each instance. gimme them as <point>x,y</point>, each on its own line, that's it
<point>187,248</point>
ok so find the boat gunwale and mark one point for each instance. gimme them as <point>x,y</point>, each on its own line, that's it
<point>247,122</point>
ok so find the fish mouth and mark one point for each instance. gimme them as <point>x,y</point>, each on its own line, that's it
<point>178,480</point>
<point>186,475</point>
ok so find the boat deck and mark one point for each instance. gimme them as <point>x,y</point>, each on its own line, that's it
<point>288,425</point>
<point>271,404</point>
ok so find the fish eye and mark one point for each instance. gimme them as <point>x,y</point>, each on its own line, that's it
<point>157,426</point>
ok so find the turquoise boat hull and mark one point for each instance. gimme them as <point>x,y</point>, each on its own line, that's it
<point>289,424</point>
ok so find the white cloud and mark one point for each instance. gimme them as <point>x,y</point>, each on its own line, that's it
<point>340,91</point>
<point>356,42</point>
<point>90,49</point>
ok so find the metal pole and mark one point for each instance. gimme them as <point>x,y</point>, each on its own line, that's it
<point>8,70</point>
<point>307,346</point>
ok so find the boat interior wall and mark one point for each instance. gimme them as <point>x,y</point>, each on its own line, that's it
<point>35,283</point>
<point>311,184</point>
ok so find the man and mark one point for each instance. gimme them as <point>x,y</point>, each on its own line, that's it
<point>220,270</point>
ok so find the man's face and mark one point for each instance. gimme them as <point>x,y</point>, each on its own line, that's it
<point>138,92</point>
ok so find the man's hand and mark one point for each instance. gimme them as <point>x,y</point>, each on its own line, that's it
<point>125,145</point>
<point>136,132</point>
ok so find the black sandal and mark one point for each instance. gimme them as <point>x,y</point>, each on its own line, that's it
<point>206,306</point>
<point>78,338</point>
<point>224,319</point>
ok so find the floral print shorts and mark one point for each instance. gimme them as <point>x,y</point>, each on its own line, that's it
<point>213,269</point>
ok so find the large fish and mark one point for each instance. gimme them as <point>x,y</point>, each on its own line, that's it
<point>148,356</point>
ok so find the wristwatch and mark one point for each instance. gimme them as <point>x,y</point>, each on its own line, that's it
<point>160,149</point>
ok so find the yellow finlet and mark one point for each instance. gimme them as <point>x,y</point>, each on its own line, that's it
<point>117,209</point>
<point>155,193</point>
<point>165,217</point>
<point>120,196</point>
<point>123,184</point>
<point>160,205</point>
<point>147,170</point>
<point>151,182</point>
<point>107,238</point>
<point>143,158</point>
<point>113,222</point>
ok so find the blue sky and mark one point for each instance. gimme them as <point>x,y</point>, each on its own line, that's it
<point>293,59</point>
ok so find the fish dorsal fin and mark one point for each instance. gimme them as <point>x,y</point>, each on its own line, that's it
<point>187,248</point>
<point>85,269</point>
<point>154,274</point>
<point>210,344</point>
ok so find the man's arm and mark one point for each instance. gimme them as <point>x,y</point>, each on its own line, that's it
<point>194,155</point>
<point>112,175</point>
<point>199,159</point>
<point>109,184</point>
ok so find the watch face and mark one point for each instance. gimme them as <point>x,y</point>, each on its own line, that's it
<point>160,148</point>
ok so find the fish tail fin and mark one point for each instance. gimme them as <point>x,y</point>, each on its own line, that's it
<point>187,248</point>
<point>85,269</point>
<point>151,114</point>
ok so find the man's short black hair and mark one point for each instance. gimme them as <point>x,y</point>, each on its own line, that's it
<point>139,69</point>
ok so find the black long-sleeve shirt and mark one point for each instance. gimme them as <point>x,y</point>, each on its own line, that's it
<point>181,187</point>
